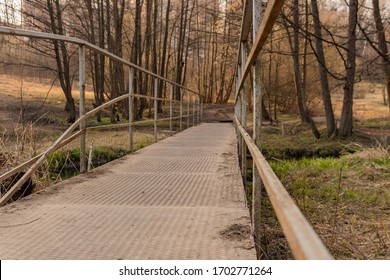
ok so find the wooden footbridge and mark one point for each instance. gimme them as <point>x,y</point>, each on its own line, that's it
<point>181,198</point>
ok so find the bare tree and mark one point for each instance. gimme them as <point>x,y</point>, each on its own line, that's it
<point>326,98</point>
<point>62,56</point>
<point>346,123</point>
<point>382,46</point>
<point>299,83</point>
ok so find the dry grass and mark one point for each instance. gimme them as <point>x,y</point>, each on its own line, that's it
<point>35,90</point>
<point>19,150</point>
<point>367,104</point>
<point>350,212</point>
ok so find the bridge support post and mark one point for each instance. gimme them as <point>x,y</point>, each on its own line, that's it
<point>193,110</point>
<point>198,115</point>
<point>188,109</point>
<point>131,78</point>
<point>243,113</point>
<point>181,111</point>
<point>256,181</point>
<point>239,117</point>
<point>201,109</point>
<point>170,106</point>
<point>155,109</point>
<point>82,107</point>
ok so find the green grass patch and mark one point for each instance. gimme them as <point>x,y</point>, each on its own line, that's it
<point>63,160</point>
<point>375,123</point>
<point>363,181</point>
<point>104,121</point>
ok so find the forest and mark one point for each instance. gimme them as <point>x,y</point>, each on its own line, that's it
<point>329,47</point>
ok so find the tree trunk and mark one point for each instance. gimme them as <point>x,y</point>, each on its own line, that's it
<point>98,60</point>
<point>326,98</point>
<point>264,113</point>
<point>62,59</point>
<point>295,56</point>
<point>148,38</point>
<point>382,46</point>
<point>346,123</point>
<point>180,49</point>
<point>138,51</point>
<point>300,86</point>
<point>164,51</point>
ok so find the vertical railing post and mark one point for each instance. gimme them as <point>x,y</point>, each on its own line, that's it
<point>239,115</point>
<point>193,109</point>
<point>198,115</point>
<point>82,106</point>
<point>131,78</point>
<point>155,109</point>
<point>256,181</point>
<point>170,107</point>
<point>188,109</point>
<point>201,109</point>
<point>243,111</point>
<point>181,111</point>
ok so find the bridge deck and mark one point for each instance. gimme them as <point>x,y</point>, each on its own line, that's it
<point>181,198</point>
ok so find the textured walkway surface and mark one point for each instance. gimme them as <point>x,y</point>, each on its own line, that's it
<point>181,198</point>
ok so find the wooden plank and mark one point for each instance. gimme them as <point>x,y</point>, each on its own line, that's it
<point>301,237</point>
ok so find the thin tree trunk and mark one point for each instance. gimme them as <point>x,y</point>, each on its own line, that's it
<point>326,98</point>
<point>382,46</point>
<point>138,50</point>
<point>62,60</point>
<point>95,59</point>
<point>164,51</point>
<point>346,123</point>
<point>179,59</point>
<point>300,87</point>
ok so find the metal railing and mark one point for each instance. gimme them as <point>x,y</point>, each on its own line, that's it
<point>69,135</point>
<point>301,237</point>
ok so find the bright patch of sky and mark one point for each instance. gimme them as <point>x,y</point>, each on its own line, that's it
<point>10,11</point>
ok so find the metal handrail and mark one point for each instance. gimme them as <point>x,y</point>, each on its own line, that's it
<point>42,35</point>
<point>269,18</point>
<point>301,237</point>
<point>65,138</point>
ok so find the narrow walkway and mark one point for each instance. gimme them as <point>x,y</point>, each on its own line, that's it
<point>181,198</point>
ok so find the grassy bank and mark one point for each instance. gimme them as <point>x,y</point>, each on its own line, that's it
<point>341,186</point>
